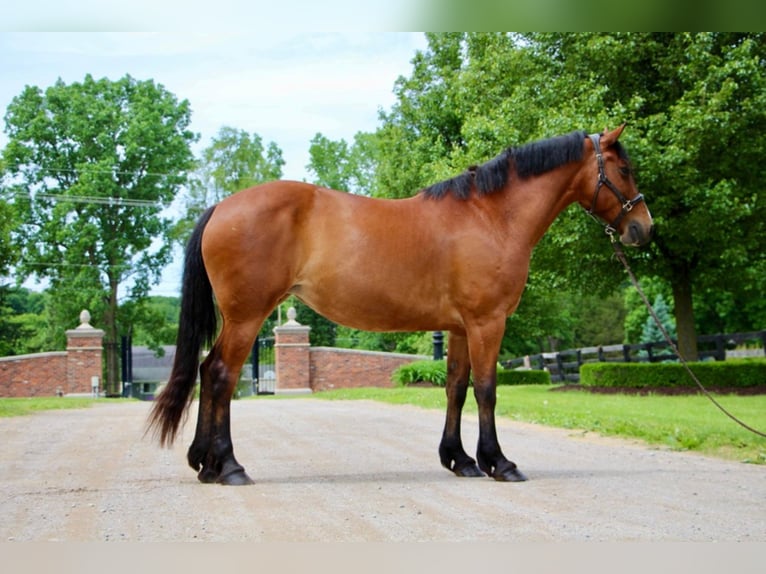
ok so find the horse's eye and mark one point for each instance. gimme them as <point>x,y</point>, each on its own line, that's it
<point>624,171</point>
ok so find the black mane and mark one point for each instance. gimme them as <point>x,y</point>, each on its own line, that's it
<point>528,160</point>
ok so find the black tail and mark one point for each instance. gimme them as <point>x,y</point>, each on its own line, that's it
<point>196,325</point>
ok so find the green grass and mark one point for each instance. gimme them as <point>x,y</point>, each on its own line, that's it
<point>25,406</point>
<point>690,423</point>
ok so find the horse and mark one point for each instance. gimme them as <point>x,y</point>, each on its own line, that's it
<point>454,257</point>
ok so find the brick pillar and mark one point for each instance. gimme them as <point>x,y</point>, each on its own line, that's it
<point>85,349</point>
<point>292,355</point>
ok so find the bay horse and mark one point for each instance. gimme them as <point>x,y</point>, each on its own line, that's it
<point>454,257</point>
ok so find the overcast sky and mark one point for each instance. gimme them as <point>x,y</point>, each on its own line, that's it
<point>285,87</point>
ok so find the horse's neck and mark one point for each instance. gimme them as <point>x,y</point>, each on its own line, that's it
<point>537,201</point>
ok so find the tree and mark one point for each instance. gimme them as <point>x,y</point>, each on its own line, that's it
<point>234,160</point>
<point>696,108</point>
<point>696,104</point>
<point>338,165</point>
<point>651,332</point>
<point>91,167</point>
<point>22,323</point>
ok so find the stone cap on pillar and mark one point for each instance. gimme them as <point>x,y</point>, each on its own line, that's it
<point>292,324</point>
<point>84,329</point>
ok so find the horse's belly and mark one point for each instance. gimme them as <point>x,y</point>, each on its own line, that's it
<point>372,309</point>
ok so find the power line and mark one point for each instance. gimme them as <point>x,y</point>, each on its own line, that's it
<point>96,265</point>
<point>51,170</point>
<point>118,201</point>
<point>91,199</point>
<point>115,201</point>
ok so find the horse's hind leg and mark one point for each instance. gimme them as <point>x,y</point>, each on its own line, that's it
<point>212,451</point>
<point>451,451</point>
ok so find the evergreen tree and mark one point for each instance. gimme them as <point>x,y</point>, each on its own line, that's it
<point>651,332</point>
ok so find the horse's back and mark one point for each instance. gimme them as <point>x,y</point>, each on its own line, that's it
<point>357,260</point>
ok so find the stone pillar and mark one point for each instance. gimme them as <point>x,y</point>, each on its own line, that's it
<point>84,357</point>
<point>292,355</point>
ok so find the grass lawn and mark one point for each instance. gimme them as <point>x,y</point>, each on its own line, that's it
<point>678,422</point>
<point>25,406</point>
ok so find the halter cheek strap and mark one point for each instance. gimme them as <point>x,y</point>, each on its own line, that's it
<point>627,204</point>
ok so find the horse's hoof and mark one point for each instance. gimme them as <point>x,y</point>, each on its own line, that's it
<point>207,476</point>
<point>236,478</point>
<point>469,470</point>
<point>509,474</point>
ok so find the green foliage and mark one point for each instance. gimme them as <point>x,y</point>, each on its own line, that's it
<point>636,311</point>
<point>155,321</point>
<point>435,372</point>
<point>15,407</point>
<point>696,109</point>
<point>8,252</point>
<point>428,371</point>
<point>551,318</point>
<point>89,169</point>
<point>322,332</point>
<point>733,374</point>
<point>22,323</point>
<point>651,332</point>
<point>234,160</point>
<point>522,377</point>
<point>338,165</point>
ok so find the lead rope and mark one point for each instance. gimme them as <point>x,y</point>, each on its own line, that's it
<point>621,256</point>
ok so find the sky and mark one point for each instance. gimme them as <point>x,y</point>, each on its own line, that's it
<point>284,86</point>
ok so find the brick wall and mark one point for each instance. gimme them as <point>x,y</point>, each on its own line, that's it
<point>333,368</point>
<point>65,372</point>
<point>303,368</point>
<point>41,374</point>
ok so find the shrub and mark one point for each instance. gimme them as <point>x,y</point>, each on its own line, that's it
<point>435,372</point>
<point>737,374</point>
<point>523,377</point>
<point>426,371</point>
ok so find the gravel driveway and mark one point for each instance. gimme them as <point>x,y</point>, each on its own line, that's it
<point>357,471</point>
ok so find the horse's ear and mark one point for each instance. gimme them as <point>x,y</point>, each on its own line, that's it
<point>609,138</point>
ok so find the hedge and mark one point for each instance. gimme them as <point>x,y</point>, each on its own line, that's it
<point>435,372</point>
<point>523,377</point>
<point>733,374</point>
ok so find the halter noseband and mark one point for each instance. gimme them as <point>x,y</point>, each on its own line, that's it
<point>627,204</point>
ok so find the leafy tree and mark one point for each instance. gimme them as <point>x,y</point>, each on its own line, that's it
<point>637,314</point>
<point>92,165</point>
<point>155,321</point>
<point>21,321</point>
<point>652,332</point>
<point>695,105</point>
<point>697,108</point>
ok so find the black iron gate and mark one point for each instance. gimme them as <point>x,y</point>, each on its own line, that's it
<point>264,376</point>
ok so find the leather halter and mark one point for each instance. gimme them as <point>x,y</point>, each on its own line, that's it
<point>627,204</point>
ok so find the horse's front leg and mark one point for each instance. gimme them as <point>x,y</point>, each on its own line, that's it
<point>484,346</point>
<point>451,452</point>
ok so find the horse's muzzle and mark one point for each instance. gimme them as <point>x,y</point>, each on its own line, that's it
<point>636,234</point>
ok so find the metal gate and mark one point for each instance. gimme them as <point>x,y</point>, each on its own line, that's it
<point>264,375</point>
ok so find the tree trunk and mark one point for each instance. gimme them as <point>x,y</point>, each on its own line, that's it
<point>684,314</point>
<point>110,343</point>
